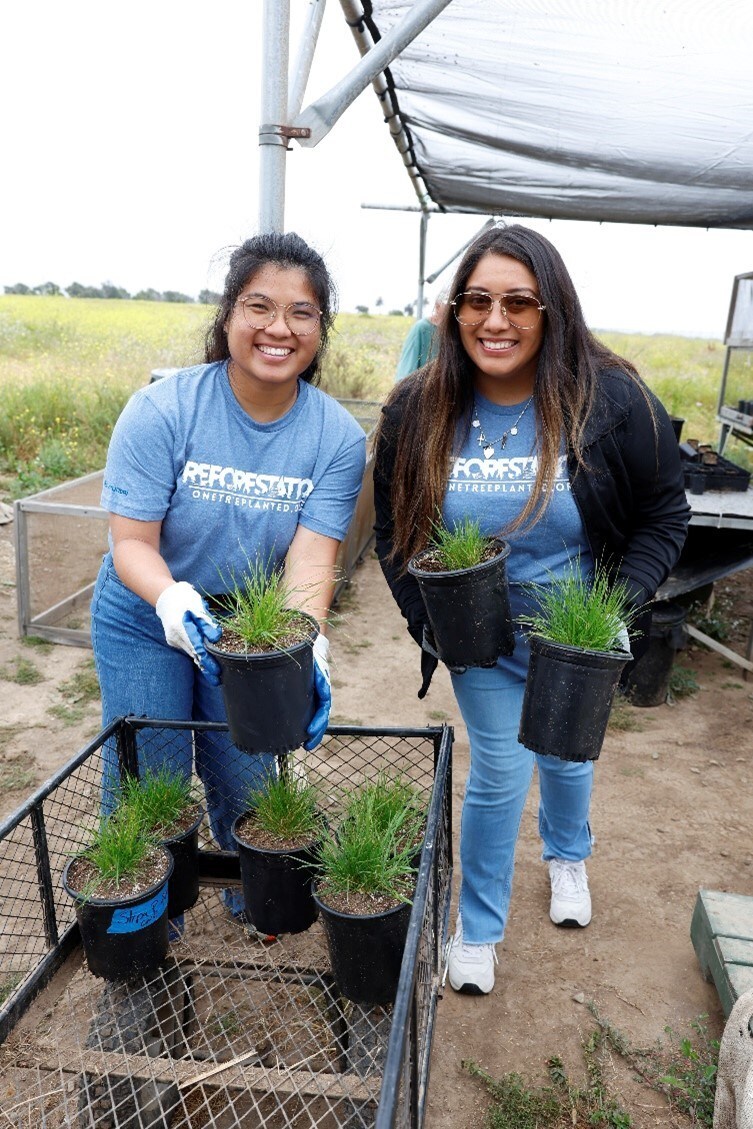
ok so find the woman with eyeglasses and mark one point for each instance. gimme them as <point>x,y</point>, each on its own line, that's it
<point>239,459</point>
<point>529,424</point>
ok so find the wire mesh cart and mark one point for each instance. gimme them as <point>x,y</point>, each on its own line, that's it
<point>233,1029</point>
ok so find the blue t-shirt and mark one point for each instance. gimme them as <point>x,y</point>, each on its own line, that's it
<point>494,490</point>
<point>419,347</point>
<point>227,489</point>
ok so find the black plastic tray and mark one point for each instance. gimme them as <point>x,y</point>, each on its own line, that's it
<point>721,475</point>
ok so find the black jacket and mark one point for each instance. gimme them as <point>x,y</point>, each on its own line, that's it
<point>630,496</point>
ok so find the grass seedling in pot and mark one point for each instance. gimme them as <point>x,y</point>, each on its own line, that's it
<point>580,611</point>
<point>119,853</point>
<point>256,612</point>
<point>163,800</point>
<point>284,812</point>
<point>461,547</point>
<point>366,866</point>
<point>389,802</point>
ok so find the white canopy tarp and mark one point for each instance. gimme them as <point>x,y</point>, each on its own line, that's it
<point>634,111</point>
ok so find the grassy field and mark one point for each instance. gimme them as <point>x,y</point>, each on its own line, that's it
<point>68,366</point>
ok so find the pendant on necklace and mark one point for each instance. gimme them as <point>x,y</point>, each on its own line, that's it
<point>488,451</point>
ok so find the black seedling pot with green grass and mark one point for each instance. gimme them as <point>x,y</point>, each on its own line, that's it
<point>468,606</point>
<point>366,876</point>
<point>366,951</point>
<point>568,699</point>
<point>183,887</point>
<point>164,802</point>
<point>269,697</point>
<point>123,936</point>
<point>278,839</point>
<point>570,684</point>
<point>277,892</point>
<point>266,663</point>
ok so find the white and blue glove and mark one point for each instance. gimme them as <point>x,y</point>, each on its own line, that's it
<point>322,693</point>
<point>623,639</point>
<point>187,623</point>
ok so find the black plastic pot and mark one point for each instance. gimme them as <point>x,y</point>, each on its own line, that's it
<point>677,425</point>
<point>269,698</point>
<point>366,951</point>
<point>183,887</point>
<point>126,937</point>
<point>277,892</point>
<point>468,609</point>
<point>568,698</point>
<point>647,684</point>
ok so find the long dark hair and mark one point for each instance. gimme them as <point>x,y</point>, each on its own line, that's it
<point>284,250</point>
<point>440,396</point>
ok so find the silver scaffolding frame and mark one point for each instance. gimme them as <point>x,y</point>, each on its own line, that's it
<point>283,120</point>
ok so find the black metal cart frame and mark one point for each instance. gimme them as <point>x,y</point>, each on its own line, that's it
<point>379,1061</point>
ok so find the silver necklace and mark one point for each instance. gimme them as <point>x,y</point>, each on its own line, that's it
<point>489,446</point>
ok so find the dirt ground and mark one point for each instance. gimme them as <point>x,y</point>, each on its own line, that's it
<point>672,812</point>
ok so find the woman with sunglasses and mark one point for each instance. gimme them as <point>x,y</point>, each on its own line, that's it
<point>237,460</point>
<point>527,423</point>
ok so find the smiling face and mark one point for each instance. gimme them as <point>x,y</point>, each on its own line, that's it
<point>270,360</point>
<point>504,358</point>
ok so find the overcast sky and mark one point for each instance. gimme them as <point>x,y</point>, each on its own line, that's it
<point>130,152</point>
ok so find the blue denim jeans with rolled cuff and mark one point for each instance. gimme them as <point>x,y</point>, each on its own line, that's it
<point>140,674</point>
<point>500,774</point>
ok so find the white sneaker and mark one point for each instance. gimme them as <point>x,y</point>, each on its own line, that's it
<point>571,902</point>
<point>471,966</point>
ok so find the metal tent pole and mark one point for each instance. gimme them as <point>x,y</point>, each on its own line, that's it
<point>421,263</point>
<point>306,48</point>
<point>274,115</point>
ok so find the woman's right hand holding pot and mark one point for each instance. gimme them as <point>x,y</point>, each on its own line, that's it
<point>187,623</point>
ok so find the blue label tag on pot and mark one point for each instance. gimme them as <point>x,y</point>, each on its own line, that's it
<point>133,918</point>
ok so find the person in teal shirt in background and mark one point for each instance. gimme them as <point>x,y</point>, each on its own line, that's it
<point>420,345</point>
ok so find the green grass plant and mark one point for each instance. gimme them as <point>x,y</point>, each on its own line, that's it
<point>624,717</point>
<point>682,682</point>
<point>159,799</point>
<point>68,715</point>
<point>118,848</point>
<point>688,1077</point>
<point>287,807</point>
<point>578,610</point>
<point>67,367</point>
<point>369,853</point>
<point>9,985</point>
<point>15,775</point>
<point>683,1069</point>
<point>257,607</point>
<point>22,671</point>
<point>83,685</point>
<point>462,546</point>
<point>517,1104</point>
<point>42,646</point>
<point>388,803</point>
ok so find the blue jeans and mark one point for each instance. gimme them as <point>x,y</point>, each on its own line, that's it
<point>500,774</point>
<point>140,674</point>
